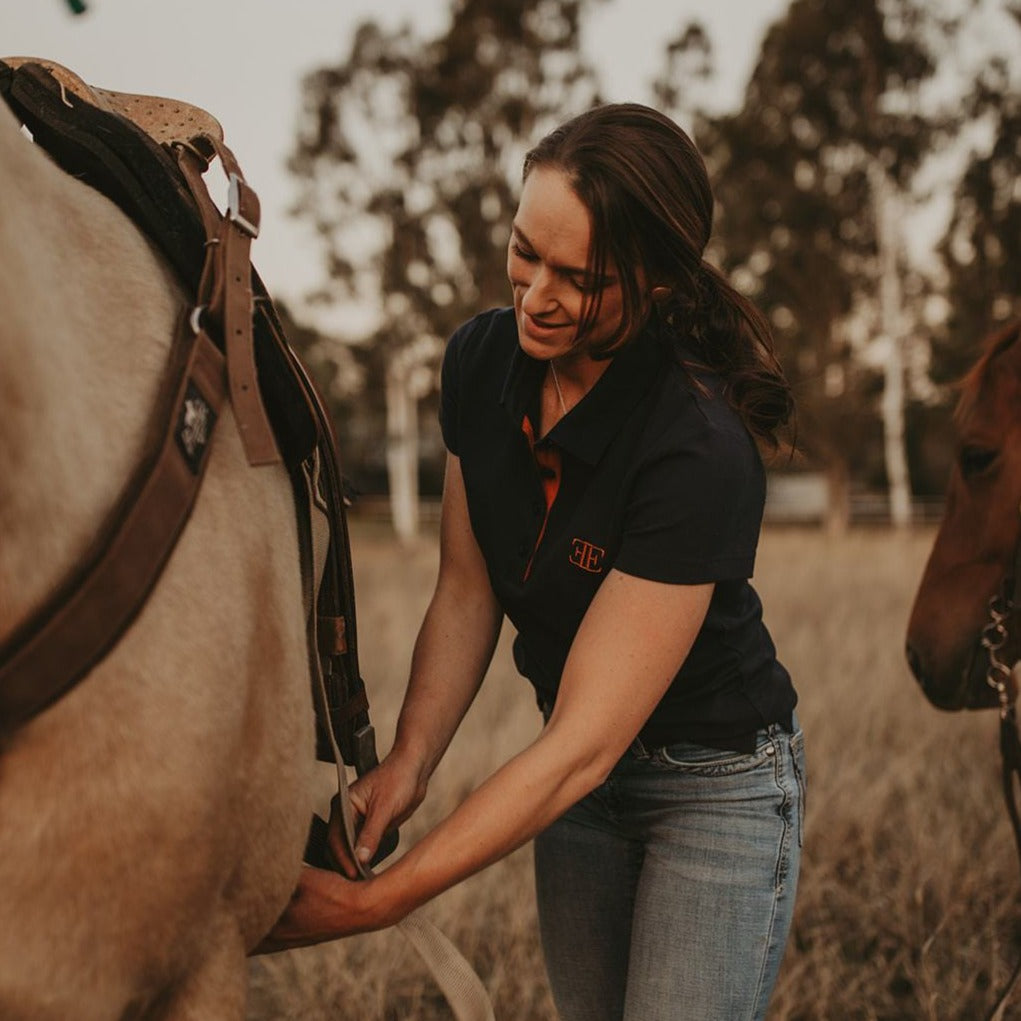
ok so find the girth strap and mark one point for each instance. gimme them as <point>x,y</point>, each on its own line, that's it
<point>83,619</point>
<point>461,987</point>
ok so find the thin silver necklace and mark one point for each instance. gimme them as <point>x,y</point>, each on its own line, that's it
<point>556,385</point>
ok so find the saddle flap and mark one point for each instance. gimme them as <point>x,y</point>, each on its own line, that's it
<point>163,120</point>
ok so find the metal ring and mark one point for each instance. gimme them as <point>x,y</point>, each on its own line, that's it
<point>195,319</point>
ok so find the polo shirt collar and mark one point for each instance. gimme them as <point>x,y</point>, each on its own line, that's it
<point>587,429</point>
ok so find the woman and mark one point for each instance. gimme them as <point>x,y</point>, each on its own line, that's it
<point>604,491</point>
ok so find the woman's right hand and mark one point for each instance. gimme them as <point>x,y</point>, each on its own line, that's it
<point>382,799</point>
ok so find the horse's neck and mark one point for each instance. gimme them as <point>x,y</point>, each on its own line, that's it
<point>87,316</point>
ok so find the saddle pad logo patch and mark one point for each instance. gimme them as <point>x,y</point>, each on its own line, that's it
<point>194,427</point>
<point>587,556</point>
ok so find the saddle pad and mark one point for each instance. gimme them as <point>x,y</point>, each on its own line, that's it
<point>115,154</point>
<point>111,153</point>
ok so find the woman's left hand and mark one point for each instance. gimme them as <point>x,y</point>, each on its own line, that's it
<point>325,906</point>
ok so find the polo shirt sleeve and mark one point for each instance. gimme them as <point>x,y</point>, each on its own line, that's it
<point>696,506</point>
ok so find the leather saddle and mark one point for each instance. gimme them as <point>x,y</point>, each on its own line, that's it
<point>147,154</point>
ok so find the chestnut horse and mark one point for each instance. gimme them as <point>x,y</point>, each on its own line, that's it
<point>967,590</point>
<point>964,633</point>
<point>152,821</point>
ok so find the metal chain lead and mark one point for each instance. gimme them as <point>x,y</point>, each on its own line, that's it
<point>994,637</point>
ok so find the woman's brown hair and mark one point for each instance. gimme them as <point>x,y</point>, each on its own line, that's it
<point>647,191</point>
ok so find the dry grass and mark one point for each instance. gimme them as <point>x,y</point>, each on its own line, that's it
<point>908,906</point>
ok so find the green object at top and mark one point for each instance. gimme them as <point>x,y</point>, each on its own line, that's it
<point>77,6</point>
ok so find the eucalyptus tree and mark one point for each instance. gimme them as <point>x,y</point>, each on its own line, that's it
<point>814,176</point>
<point>982,245</point>
<point>408,157</point>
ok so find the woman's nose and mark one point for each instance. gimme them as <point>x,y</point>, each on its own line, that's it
<point>538,295</point>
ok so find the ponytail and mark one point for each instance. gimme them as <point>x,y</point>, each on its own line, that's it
<point>733,337</point>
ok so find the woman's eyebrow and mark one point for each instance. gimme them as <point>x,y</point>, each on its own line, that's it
<point>569,271</point>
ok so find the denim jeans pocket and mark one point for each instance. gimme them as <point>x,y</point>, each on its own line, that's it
<point>701,760</point>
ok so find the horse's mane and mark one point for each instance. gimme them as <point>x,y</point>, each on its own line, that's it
<point>971,384</point>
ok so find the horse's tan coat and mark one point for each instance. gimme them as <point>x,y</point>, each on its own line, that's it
<point>151,822</point>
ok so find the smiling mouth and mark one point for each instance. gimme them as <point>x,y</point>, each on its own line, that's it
<point>542,325</point>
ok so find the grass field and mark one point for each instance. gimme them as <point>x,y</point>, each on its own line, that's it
<point>908,906</point>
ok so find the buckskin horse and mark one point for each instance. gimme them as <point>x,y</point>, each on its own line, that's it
<point>167,619</point>
<point>152,817</point>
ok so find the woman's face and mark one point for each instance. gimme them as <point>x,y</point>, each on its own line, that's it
<point>547,262</point>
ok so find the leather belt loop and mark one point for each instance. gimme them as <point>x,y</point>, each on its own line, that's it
<point>193,161</point>
<point>332,636</point>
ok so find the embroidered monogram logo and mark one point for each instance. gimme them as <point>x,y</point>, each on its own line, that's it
<point>587,556</point>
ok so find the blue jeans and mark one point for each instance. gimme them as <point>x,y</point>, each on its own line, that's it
<point>667,893</point>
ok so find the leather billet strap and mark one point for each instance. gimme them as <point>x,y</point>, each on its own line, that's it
<point>337,642</point>
<point>83,619</point>
<point>226,286</point>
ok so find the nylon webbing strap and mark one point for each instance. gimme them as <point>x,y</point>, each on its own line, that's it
<point>458,982</point>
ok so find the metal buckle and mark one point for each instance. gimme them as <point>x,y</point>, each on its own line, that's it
<point>234,186</point>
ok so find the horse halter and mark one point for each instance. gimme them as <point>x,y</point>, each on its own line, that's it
<point>995,634</point>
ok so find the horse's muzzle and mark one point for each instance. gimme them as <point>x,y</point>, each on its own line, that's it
<point>962,688</point>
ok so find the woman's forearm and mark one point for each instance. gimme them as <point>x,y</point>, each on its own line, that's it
<point>456,641</point>
<point>452,652</point>
<point>518,801</point>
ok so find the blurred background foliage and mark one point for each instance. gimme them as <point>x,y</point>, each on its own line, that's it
<point>869,200</point>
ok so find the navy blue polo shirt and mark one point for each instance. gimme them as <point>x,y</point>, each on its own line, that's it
<point>652,473</point>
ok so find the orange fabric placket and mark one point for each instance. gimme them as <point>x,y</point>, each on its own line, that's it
<point>548,460</point>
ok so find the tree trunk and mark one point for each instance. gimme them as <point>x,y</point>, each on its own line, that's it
<point>891,304</point>
<point>838,493</point>
<point>402,449</point>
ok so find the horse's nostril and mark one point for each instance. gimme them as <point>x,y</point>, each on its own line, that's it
<point>914,662</point>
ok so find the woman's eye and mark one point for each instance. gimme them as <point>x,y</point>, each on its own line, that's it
<point>523,253</point>
<point>591,285</point>
<point>975,460</point>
